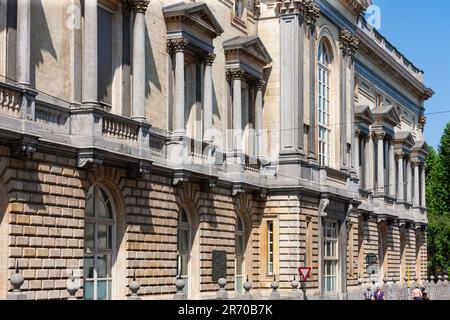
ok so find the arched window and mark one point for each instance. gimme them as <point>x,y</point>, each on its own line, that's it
<point>184,247</point>
<point>323,98</point>
<point>240,255</point>
<point>99,237</point>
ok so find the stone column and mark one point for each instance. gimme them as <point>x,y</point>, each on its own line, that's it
<point>23,42</point>
<point>259,118</point>
<point>369,162</point>
<point>422,184</point>
<point>291,87</point>
<point>138,107</point>
<point>408,181</point>
<point>355,153</point>
<point>179,45</point>
<point>208,98</point>
<point>416,197</point>
<point>400,191</point>
<point>236,76</point>
<point>391,170</point>
<point>380,161</point>
<point>90,63</point>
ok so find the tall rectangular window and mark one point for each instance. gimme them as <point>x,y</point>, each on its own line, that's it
<point>330,255</point>
<point>270,247</point>
<point>105,55</point>
<point>324,104</point>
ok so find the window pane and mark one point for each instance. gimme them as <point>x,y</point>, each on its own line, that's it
<point>104,236</point>
<point>238,284</point>
<point>88,290</point>
<point>89,209</point>
<point>183,245</point>
<point>102,290</point>
<point>239,265</point>
<point>102,211</point>
<point>88,267</point>
<point>104,266</point>
<point>89,237</point>
<point>184,265</point>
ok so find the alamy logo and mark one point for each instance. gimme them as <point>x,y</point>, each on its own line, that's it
<point>373,16</point>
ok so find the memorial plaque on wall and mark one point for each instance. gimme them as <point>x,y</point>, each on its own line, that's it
<point>219,264</point>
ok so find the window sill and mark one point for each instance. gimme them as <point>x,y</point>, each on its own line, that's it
<point>239,23</point>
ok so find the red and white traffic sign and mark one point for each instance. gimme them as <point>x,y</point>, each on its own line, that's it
<point>304,272</point>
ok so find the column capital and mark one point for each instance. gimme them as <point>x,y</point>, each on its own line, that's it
<point>307,8</point>
<point>415,163</point>
<point>349,43</point>
<point>209,58</point>
<point>138,6</point>
<point>378,135</point>
<point>235,74</point>
<point>260,83</point>
<point>177,45</point>
<point>399,155</point>
<point>357,132</point>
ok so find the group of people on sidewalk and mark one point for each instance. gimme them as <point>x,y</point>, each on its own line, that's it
<point>417,294</point>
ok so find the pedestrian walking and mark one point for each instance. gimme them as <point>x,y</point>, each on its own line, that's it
<point>425,294</point>
<point>378,294</point>
<point>367,293</point>
<point>416,294</point>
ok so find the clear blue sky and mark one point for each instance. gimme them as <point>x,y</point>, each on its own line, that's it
<point>421,31</point>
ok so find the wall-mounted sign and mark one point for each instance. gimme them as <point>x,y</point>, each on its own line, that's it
<point>219,264</point>
<point>372,269</point>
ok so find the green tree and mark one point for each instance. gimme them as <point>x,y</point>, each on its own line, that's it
<point>437,168</point>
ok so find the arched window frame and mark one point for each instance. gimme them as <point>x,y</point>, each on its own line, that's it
<point>184,247</point>
<point>240,247</point>
<point>324,82</point>
<point>92,223</point>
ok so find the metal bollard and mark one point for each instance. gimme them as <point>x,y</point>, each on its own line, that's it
<point>274,295</point>
<point>16,281</point>
<point>222,294</point>
<point>180,284</point>
<point>134,288</point>
<point>72,287</point>
<point>247,295</point>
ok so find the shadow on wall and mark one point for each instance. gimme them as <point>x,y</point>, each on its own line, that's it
<point>151,74</point>
<point>41,40</point>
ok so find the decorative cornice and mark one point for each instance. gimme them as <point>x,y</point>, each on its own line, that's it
<point>357,6</point>
<point>349,43</point>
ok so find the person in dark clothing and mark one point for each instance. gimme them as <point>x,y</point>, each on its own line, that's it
<point>378,294</point>
<point>425,294</point>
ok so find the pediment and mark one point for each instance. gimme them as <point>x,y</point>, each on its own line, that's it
<point>386,113</point>
<point>252,46</point>
<point>197,15</point>
<point>405,138</point>
<point>363,114</point>
<point>420,147</point>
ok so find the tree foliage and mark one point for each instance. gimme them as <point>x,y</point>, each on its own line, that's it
<point>437,168</point>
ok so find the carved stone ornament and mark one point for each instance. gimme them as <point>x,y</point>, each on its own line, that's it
<point>233,74</point>
<point>177,45</point>
<point>260,84</point>
<point>237,190</point>
<point>307,8</point>
<point>349,43</point>
<point>88,163</point>
<point>357,132</point>
<point>415,163</point>
<point>22,151</point>
<point>208,184</point>
<point>138,6</point>
<point>209,58</point>
<point>322,206</point>
<point>378,135</point>
<point>399,155</point>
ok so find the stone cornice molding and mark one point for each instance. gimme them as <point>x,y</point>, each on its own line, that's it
<point>349,43</point>
<point>137,6</point>
<point>357,6</point>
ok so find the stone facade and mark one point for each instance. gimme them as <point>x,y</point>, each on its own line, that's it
<point>278,133</point>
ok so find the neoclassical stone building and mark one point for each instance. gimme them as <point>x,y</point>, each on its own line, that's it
<point>206,139</point>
